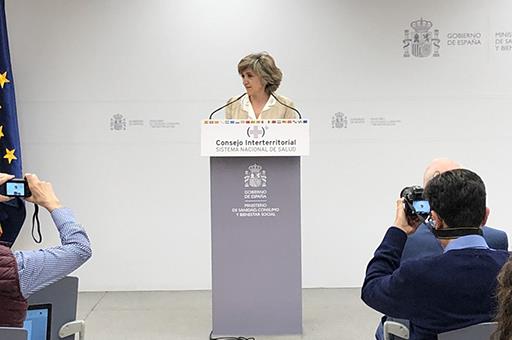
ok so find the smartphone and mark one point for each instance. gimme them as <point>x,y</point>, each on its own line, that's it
<point>16,187</point>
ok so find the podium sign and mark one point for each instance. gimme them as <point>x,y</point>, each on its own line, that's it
<point>242,138</point>
<point>256,225</point>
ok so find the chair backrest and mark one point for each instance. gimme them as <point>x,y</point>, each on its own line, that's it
<point>12,333</point>
<point>481,331</point>
<point>62,295</point>
<point>395,330</point>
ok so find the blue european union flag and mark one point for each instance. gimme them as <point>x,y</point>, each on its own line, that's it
<point>12,213</point>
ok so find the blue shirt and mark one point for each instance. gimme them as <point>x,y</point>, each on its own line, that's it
<point>40,268</point>
<point>469,241</point>
<point>423,243</point>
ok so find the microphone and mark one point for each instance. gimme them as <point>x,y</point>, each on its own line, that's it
<point>240,97</point>
<point>288,106</point>
<point>223,106</point>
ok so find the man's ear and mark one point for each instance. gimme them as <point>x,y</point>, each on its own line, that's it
<point>487,212</point>
<point>438,221</point>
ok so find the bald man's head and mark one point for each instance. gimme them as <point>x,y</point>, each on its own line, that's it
<point>438,166</point>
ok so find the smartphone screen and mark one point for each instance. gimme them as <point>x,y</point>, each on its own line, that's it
<point>421,207</point>
<point>15,189</point>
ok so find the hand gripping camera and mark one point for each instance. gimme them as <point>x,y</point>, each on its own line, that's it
<point>415,202</point>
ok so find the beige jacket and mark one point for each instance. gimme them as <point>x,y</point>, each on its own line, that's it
<point>273,111</point>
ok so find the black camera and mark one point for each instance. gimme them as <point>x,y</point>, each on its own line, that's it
<point>415,202</point>
<point>16,187</point>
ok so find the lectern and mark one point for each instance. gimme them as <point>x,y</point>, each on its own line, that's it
<point>256,224</point>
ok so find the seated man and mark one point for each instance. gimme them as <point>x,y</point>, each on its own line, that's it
<point>423,243</point>
<point>443,292</point>
<point>23,273</point>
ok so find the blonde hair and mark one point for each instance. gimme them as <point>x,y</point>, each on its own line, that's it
<point>265,67</point>
<point>504,297</point>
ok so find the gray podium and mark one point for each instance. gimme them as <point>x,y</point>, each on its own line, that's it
<point>256,225</point>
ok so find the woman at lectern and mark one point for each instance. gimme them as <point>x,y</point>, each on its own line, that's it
<point>260,77</point>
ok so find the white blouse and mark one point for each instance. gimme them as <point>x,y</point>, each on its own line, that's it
<point>247,106</point>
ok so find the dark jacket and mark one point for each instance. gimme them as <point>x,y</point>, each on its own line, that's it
<point>13,306</point>
<point>436,293</point>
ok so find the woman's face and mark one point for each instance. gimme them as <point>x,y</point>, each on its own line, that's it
<point>252,82</point>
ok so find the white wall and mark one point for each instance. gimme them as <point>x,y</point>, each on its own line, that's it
<point>143,193</point>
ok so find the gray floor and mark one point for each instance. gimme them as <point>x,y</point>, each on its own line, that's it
<point>328,314</point>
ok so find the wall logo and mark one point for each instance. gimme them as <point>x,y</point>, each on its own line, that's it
<point>420,41</point>
<point>255,177</point>
<point>255,131</point>
<point>118,122</point>
<point>339,120</point>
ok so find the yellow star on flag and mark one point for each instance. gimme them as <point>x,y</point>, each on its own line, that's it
<point>9,154</point>
<point>3,79</point>
<point>1,131</point>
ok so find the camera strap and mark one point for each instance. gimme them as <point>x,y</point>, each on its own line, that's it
<point>449,233</point>
<point>35,220</point>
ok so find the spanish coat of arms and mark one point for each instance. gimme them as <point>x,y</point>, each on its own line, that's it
<point>255,177</point>
<point>420,41</point>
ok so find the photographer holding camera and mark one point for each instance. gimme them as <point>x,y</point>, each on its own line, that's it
<point>23,273</point>
<point>423,242</point>
<point>442,292</point>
